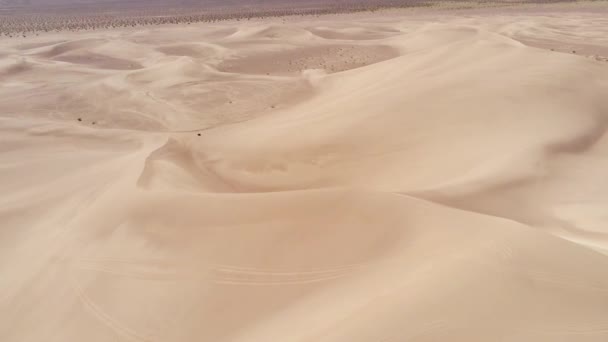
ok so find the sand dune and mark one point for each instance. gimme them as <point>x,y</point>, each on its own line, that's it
<point>397,177</point>
<point>330,58</point>
<point>353,33</point>
<point>99,61</point>
<point>61,48</point>
<point>191,50</point>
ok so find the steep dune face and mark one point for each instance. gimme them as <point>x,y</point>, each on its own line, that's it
<point>451,192</point>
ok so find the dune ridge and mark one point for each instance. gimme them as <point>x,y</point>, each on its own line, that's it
<point>445,186</point>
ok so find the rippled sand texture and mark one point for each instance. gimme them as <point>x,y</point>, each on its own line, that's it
<point>357,178</point>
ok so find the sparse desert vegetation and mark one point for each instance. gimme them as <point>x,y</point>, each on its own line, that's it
<point>23,20</point>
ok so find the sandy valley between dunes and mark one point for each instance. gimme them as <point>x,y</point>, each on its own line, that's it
<point>397,176</point>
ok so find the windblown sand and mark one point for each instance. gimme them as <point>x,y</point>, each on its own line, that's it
<point>357,178</point>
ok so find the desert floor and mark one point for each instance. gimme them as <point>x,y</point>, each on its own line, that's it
<point>395,176</point>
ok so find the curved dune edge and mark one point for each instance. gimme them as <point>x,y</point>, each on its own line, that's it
<point>454,191</point>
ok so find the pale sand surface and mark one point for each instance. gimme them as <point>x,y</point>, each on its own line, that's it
<point>397,176</point>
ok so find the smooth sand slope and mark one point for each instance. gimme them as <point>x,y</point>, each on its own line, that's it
<point>372,177</point>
